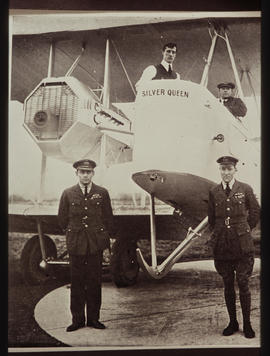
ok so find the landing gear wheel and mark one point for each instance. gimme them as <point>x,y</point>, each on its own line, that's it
<point>31,258</point>
<point>124,265</point>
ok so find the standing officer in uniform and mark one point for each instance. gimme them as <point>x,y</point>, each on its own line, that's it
<point>164,69</point>
<point>235,105</point>
<point>233,211</point>
<point>85,214</point>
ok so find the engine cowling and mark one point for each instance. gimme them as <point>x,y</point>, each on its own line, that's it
<point>63,117</point>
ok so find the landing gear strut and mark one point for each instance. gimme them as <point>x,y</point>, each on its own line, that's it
<point>159,271</point>
<point>31,259</point>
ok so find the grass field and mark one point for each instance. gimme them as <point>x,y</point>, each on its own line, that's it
<point>16,242</point>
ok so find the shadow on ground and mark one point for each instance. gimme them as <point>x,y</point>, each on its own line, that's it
<point>23,330</point>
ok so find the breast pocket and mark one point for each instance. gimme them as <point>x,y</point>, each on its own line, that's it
<point>96,204</point>
<point>75,207</point>
<point>219,209</point>
<point>239,206</point>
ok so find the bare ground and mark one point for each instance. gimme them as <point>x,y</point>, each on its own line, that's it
<point>23,331</point>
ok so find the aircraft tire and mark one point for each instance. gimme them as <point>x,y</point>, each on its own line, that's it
<point>124,265</point>
<point>31,258</point>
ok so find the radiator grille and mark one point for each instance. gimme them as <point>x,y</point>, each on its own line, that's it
<point>58,100</point>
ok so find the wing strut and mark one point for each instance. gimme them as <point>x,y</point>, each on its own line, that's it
<point>106,84</point>
<point>159,271</point>
<point>51,60</point>
<point>238,83</point>
<point>43,156</point>
<point>204,80</point>
<point>248,75</point>
<point>220,30</point>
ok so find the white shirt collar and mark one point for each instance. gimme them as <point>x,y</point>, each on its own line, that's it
<point>166,65</point>
<point>89,186</point>
<point>230,184</point>
<point>223,100</point>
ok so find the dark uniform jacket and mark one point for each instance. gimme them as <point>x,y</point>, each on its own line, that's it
<point>231,220</point>
<point>87,221</point>
<point>236,106</point>
<point>162,73</point>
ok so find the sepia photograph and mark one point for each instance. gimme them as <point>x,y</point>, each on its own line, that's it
<point>134,184</point>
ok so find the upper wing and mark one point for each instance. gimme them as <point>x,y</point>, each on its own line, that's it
<point>137,42</point>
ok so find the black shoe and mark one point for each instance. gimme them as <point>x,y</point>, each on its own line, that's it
<point>248,331</point>
<point>96,324</point>
<point>74,327</point>
<point>231,328</point>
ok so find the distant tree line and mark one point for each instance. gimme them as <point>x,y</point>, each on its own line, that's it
<point>16,198</point>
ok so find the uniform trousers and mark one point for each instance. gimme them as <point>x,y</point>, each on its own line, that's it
<point>240,268</point>
<point>86,276</point>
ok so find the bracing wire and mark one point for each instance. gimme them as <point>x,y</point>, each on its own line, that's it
<point>123,66</point>
<point>79,65</point>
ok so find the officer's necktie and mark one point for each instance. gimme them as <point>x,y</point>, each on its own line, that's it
<point>170,69</point>
<point>85,190</point>
<point>227,189</point>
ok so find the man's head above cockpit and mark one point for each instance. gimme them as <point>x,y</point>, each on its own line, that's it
<point>163,70</point>
<point>226,90</point>
<point>169,52</point>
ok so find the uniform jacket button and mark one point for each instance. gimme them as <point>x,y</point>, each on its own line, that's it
<point>85,208</point>
<point>86,225</point>
<point>228,227</point>
<point>228,209</point>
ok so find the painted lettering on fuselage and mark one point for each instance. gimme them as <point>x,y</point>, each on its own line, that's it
<point>168,92</point>
<point>153,92</point>
<point>174,92</point>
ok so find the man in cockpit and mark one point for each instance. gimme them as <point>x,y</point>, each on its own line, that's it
<point>164,69</point>
<point>235,105</point>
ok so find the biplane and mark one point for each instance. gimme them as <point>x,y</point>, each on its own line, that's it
<point>156,148</point>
